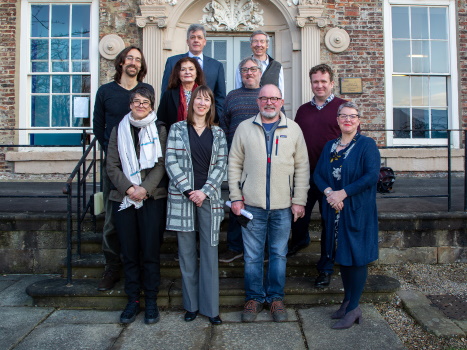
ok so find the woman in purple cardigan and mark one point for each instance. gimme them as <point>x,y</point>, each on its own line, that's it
<point>347,173</point>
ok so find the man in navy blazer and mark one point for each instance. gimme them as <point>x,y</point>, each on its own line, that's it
<point>213,69</point>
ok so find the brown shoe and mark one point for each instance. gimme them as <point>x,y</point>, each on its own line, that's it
<point>251,310</point>
<point>278,311</point>
<point>109,278</point>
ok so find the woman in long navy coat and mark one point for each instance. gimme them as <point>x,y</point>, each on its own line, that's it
<point>347,173</point>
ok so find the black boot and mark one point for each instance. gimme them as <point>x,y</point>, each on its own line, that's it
<point>151,313</point>
<point>131,310</point>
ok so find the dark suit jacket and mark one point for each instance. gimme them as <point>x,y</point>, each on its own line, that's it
<point>168,107</point>
<point>213,73</point>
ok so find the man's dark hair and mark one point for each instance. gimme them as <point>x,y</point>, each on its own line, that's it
<point>144,92</point>
<point>174,79</point>
<point>323,68</point>
<point>120,60</point>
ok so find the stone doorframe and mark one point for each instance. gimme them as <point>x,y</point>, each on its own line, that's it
<point>304,19</point>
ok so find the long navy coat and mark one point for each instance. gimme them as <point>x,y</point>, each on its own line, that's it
<point>357,237</point>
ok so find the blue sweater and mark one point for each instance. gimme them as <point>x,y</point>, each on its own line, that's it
<point>357,235</point>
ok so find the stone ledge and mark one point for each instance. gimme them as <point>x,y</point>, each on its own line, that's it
<point>431,318</point>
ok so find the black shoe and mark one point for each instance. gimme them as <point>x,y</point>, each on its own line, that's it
<point>109,279</point>
<point>296,248</point>
<point>131,310</point>
<point>190,316</point>
<point>151,313</point>
<point>215,320</point>
<point>322,280</point>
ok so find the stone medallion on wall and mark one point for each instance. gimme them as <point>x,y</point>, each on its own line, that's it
<point>337,40</point>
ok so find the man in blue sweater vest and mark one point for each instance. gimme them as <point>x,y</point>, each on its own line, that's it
<point>112,104</point>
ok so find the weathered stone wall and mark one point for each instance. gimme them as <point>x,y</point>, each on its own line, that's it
<point>7,82</point>
<point>462,61</point>
<point>118,17</point>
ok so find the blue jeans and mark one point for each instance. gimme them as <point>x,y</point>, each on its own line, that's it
<point>273,225</point>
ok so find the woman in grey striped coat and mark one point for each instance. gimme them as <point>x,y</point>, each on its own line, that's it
<point>196,161</point>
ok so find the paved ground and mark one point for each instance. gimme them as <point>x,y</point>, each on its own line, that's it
<point>23,326</point>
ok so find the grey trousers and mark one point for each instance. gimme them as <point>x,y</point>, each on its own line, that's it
<point>200,280</point>
<point>110,241</point>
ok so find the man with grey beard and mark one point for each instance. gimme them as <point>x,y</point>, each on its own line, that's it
<point>269,177</point>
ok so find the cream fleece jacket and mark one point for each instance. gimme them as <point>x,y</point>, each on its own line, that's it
<point>248,165</point>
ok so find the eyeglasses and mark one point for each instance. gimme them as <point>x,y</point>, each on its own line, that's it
<point>350,116</point>
<point>245,70</point>
<point>258,41</point>
<point>131,58</point>
<point>139,103</point>
<point>265,99</point>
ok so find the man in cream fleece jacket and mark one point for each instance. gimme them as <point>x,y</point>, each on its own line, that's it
<point>269,177</point>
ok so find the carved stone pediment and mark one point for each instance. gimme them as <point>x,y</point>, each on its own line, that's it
<point>232,15</point>
<point>311,14</point>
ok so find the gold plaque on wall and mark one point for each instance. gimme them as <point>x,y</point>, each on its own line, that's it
<point>351,86</point>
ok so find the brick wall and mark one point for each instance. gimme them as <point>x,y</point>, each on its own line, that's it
<point>363,21</point>
<point>7,82</point>
<point>118,17</point>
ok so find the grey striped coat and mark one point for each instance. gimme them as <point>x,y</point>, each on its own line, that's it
<point>178,163</point>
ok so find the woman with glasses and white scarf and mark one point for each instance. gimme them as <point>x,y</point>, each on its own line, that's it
<point>136,167</point>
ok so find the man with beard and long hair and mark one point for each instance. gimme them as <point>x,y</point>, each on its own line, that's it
<point>111,105</point>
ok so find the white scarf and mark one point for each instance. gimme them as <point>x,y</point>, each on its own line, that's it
<point>150,150</point>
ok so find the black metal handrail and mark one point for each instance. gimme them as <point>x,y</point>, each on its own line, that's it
<point>84,205</point>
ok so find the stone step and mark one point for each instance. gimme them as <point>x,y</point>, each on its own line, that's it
<point>82,293</point>
<point>92,266</point>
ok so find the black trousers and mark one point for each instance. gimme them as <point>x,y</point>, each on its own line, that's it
<point>300,233</point>
<point>140,232</point>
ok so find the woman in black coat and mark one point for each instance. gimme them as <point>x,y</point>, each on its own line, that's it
<point>186,76</point>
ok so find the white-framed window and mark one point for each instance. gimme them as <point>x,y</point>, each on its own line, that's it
<point>58,66</point>
<point>421,72</point>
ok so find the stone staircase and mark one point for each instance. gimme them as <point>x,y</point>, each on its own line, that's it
<point>299,290</point>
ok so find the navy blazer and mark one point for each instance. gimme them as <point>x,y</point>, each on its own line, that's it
<point>213,73</point>
<point>168,107</point>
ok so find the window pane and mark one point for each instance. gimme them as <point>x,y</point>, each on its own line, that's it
<point>401,91</point>
<point>419,22</point>
<point>61,83</point>
<point>420,56</point>
<point>420,121</point>
<point>60,49</point>
<point>220,50</point>
<point>40,84</point>
<point>39,67</point>
<point>60,67</point>
<point>80,26</point>
<point>400,23</point>
<point>439,120</point>
<point>208,48</point>
<point>61,111</point>
<point>60,20</point>
<point>81,120</point>
<point>438,23</point>
<point>438,93</point>
<point>39,20</point>
<point>420,91</point>
<point>79,49</point>
<point>81,84</point>
<point>40,111</point>
<point>401,56</point>
<point>401,122</point>
<point>39,49</point>
<point>439,57</point>
<point>245,49</point>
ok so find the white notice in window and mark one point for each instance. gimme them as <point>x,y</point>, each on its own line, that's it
<point>81,107</point>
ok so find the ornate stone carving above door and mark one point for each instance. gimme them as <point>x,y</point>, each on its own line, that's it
<point>231,15</point>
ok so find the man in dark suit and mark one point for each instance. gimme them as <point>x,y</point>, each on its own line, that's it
<point>213,69</point>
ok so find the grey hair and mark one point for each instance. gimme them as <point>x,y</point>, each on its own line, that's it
<point>249,58</point>
<point>194,28</point>
<point>347,104</point>
<point>256,32</point>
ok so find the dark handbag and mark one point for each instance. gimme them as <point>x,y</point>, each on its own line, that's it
<point>386,180</point>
